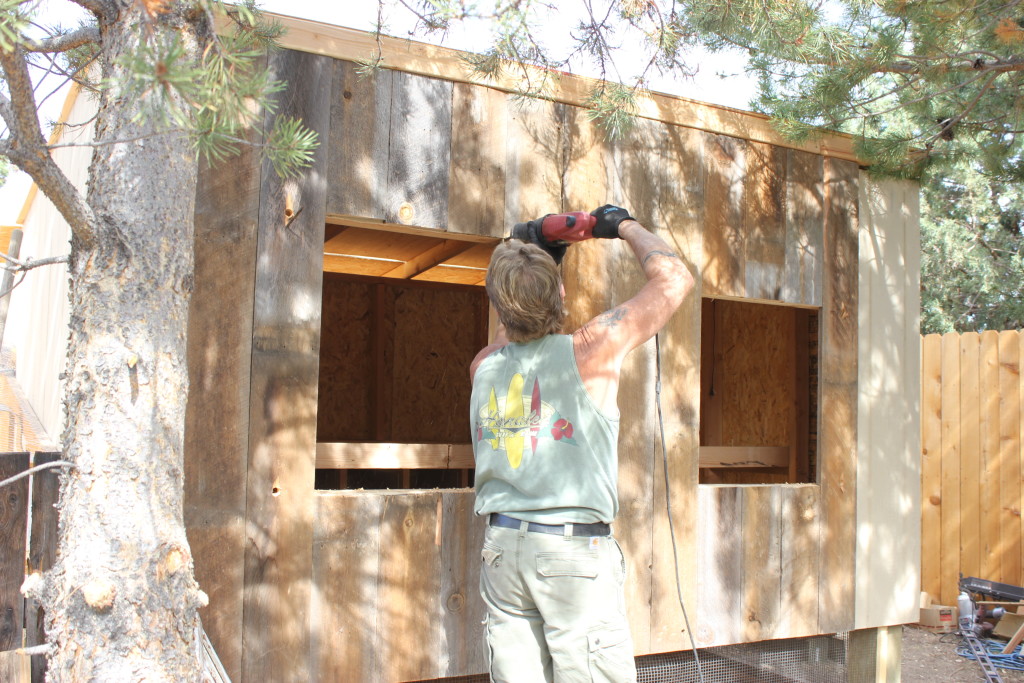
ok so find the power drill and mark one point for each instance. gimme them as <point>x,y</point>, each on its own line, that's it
<point>556,231</point>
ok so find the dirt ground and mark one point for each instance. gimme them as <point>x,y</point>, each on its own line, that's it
<point>932,658</point>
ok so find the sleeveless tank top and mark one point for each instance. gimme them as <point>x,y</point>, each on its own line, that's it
<point>544,451</point>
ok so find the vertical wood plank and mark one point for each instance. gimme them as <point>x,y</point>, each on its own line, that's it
<point>762,562</point>
<point>419,155</point>
<point>662,180</point>
<point>970,457</point>
<point>476,189</point>
<point>42,550</point>
<point>1009,458</point>
<point>282,416</point>
<point>804,228</point>
<point>1020,420</point>
<point>949,558</point>
<point>533,160</point>
<point>800,561</point>
<point>346,588</point>
<point>217,413</point>
<point>723,264</point>
<point>593,178</point>
<point>13,521</point>
<point>462,536</point>
<point>838,426</point>
<point>931,463</point>
<point>719,565</point>
<point>991,501</point>
<point>357,146</point>
<point>764,222</point>
<point>410,587</point>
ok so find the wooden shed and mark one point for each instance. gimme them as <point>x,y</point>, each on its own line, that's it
<point>328,467</point>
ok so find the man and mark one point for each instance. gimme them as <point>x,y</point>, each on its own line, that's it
<point>545,431</point>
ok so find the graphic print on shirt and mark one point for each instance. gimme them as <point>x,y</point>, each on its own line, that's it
<point>508,420</point>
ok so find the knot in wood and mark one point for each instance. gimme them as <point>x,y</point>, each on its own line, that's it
<point>99,594</point>
<point>456,601</point>
<point>406,213</point>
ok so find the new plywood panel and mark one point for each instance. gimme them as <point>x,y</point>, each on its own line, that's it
<point>430,390</point>
<point>282,416</point>
<point>345,407</point>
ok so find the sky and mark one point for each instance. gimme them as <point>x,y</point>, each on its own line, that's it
<point>720,78</point>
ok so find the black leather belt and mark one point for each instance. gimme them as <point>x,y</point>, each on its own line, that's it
<point>595,529</point>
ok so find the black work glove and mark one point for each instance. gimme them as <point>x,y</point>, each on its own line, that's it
<point>535,235</point>
<point>608,219</point>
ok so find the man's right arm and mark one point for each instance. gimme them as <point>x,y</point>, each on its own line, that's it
<point>602,344</point>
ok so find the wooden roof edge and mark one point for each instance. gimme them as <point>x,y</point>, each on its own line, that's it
<point>424,59</point>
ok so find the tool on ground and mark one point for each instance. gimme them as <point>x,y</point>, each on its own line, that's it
<point>970,628</point>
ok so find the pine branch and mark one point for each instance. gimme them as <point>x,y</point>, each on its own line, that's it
<point>27,149</point>
<point>67,41</point>
<point>101,9</point>
<point>22,265</point>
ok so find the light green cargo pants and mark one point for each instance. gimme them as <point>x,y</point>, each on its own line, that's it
<point>555,608</point>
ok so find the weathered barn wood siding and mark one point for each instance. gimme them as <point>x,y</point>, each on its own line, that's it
<point>382,585</point>
<point>755,221</point>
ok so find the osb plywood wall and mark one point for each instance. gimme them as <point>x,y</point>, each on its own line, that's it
<point>394,360</point>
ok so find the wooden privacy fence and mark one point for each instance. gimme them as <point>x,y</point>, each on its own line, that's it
<point>971,460</point>
<point>28,543</point>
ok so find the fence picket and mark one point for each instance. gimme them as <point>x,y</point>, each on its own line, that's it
<point>972,460</point>
<point>13,520</point>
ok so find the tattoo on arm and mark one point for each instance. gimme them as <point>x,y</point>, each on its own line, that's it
<point>657,252</point>
<point>612,318</point>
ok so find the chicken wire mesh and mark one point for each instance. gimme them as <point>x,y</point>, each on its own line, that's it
<point>818,659</point>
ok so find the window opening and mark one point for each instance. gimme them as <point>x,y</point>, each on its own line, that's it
<point>759,393</point>
<point>403,315</point>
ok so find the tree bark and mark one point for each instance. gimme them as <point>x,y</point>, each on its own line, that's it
<point>121,601</point>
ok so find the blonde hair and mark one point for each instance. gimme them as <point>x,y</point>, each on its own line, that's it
<point>525,288</point>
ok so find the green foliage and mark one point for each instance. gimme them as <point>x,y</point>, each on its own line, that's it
<point>13,20</point>
<point>218,96</point>
<point>972,262</point>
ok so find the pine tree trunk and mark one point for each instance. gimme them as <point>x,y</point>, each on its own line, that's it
<point>121,601</point>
